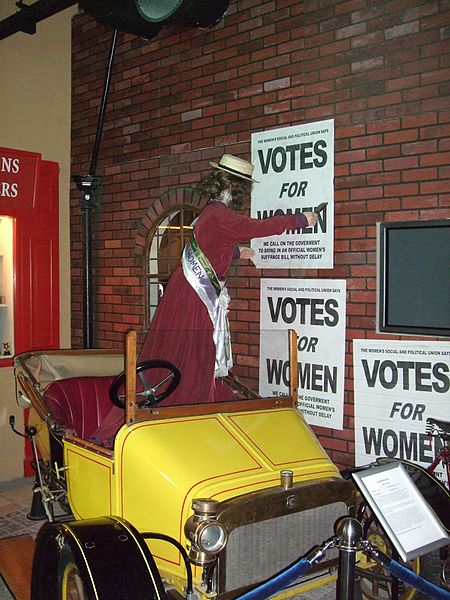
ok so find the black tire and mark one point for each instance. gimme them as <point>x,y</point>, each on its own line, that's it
<point>45,564</point>
<point>375,581</point>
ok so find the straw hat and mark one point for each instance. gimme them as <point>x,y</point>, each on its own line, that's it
<point>235,165</point>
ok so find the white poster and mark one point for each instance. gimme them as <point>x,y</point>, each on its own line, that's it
<point>398,385</point>
<point>315,309</point>
<point>295,167</point>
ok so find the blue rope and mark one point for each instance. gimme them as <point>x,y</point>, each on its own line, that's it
<point>423,585</point>
<point>278,582</point>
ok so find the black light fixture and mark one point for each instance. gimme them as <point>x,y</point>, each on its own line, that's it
<point>146,18</point>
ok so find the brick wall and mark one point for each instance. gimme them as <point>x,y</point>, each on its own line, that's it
<point>380,69</point>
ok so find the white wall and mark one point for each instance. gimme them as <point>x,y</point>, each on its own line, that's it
<point>35,101</point>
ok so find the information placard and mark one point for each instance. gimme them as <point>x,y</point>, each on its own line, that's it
<point>403,512</point>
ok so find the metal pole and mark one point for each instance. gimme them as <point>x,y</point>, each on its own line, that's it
<point>349,532</point>
<point>88,184</point>
<point>101,117</point>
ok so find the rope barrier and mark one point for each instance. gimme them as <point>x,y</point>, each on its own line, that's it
<point>399,571</point>
<point>289,575</point>
<point>278,582</point>
<point>412,579</point>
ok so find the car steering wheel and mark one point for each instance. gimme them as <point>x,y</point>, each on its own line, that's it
<point>148,393</point>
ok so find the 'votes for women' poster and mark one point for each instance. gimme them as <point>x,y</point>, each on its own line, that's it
<point>315,309</point>
<point>398,385</point>
<point>294,167</point>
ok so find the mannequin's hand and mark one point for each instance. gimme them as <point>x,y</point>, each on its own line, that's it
<point>246,253</point>
<point>311,217</point>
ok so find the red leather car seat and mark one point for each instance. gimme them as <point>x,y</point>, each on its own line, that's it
<point>79,404</point>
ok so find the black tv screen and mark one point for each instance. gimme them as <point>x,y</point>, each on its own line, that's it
<point>414,277</point>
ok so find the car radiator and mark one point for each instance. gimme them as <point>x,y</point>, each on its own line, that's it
<point>271,529</point>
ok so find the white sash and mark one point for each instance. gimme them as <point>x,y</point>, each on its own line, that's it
<point>200,274</point>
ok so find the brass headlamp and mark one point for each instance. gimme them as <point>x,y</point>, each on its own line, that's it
<point>208,537</point>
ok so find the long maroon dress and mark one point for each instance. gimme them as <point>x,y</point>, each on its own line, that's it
<point>181,330</point>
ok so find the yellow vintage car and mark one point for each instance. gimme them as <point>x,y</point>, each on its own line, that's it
<point>193,501</point>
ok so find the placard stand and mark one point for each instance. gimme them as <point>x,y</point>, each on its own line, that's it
<point>403,512</point>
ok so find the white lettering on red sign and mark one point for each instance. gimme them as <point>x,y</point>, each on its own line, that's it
<point>11,166</point>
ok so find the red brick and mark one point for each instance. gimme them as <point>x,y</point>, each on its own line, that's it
<point>385,99</point>
<point>385,151</point>
<point>367,65</point>
<point>420,174</point>
<point>404,162</point>
<point>435,187</point>
<point>383,177</point>
<point>365,193</point>
<point>440,158</point>
<point>384,125</point>
<point>366,141</point>
<point>369,166</point>
<point>397,137</point>
<point>418,202</point>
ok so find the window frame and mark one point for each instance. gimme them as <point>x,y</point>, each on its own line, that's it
<point>181,209</point>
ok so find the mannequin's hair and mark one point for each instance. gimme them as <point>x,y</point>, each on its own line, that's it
<point>218,181</point>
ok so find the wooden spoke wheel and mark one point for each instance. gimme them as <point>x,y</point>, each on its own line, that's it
<point>376,583</point>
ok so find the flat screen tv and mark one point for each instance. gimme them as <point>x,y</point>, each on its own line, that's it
<point>414,277</point>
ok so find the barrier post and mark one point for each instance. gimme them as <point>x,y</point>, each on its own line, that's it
<point>349,537</point>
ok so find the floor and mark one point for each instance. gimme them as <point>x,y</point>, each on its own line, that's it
<point>15,503</point>
<point>16,538</point>
<point>4,591</point>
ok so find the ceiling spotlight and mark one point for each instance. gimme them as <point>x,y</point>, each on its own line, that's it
<point>146,18</point>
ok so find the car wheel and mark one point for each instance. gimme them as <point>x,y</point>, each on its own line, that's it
<point>70,584</point>
<point>375,581</point>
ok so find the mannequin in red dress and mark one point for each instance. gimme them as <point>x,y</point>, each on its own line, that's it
<point>181,330</point>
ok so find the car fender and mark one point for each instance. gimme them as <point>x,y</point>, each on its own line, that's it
<point>105,551</point>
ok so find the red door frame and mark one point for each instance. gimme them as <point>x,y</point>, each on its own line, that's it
<point>29,193</point>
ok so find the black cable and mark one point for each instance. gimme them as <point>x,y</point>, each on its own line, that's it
<point>29,431</point>
<point>187,564</point>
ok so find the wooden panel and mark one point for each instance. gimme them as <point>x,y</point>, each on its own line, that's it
<point>16,560</point>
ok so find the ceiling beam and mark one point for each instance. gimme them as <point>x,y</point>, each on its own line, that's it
<point>28,15</point>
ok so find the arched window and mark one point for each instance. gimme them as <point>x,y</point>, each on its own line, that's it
<point>165,244</point>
